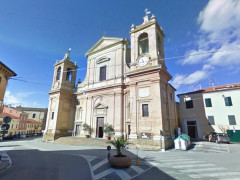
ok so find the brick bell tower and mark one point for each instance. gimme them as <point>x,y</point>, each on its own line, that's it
<point>61,109</point>
<point>148,81</point>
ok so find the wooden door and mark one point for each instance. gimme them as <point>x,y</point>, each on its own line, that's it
<point>99,129</point>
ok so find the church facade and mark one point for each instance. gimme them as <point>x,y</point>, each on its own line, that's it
<point>125,87</point>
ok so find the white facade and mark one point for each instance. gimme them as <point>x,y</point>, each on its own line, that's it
<point>220,111</point>
<point>214,109</point>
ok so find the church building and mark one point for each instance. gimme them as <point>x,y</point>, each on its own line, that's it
<point>127,88</point>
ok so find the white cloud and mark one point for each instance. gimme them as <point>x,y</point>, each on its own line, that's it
<point>219,30</point>
<point>11,99</point>
<point>20,99</point>
<point>219,16</point>
<point>193,78</point>
<point>193,58</point>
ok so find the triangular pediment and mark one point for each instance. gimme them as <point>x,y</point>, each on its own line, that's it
<point>103,43</point>
<point>100,106</point>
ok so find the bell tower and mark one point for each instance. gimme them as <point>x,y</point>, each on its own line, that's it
<point>147,44</point>
<point>61,108</point>
<point>64,77</point>
<point>148,82</point>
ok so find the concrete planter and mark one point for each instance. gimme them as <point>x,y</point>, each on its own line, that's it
<point>108,138</point>
<point>87,136</point>
<point>120,162</point>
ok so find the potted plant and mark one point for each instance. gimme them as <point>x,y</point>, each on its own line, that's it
<point>108,130</point>
<point>86,128</point>
<point>119,160</point>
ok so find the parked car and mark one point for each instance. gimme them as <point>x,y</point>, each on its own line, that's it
<point>28,135</point>
<point>8,137</point>
<point>16,136</point>
<point>219,137</point>
<point>22,136</point>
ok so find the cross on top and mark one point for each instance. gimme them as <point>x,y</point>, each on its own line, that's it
<point>147,12</point>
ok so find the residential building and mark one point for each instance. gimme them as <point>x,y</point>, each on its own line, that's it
<point>33,126</point>
<point>5,74</point>
<point>37,114</point>
<point>127,88</point>
<point>22,116</point>
<point>12,111</point>
<point>23,123</point>
<point>214,109</point>
<point>13,125</point>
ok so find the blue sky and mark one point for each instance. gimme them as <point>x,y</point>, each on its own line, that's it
<point>34,34</point>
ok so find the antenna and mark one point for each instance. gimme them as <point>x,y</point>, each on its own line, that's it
<point>212,83</point>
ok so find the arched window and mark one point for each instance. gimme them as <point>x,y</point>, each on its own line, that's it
<point>58,73</point>
<point>69,74</point>
<point>143,46</point>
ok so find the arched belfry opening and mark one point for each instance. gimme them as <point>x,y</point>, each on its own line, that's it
<point>143,44</point>
<point>69,74</point>
<point>58,73</point>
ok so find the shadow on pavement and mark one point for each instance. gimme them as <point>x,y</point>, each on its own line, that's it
<point>75,164</point>
<point>9,146</point>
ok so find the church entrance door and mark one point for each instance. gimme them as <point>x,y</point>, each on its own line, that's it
<point>100,124</point>
<point>77,132</point>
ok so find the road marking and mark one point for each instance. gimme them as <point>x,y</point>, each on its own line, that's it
<point>137,169</point>
<point>122,174</point>
<point>183,163</point>
<point>104,173</point>
<point>174,160</point>
<point>192,166</point>
<point>104,161</point>
<point>88,158</point>
<point>202,170</point>
<point>215,174</point>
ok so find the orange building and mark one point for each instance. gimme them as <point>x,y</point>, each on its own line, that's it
<point>5,73</point>
<point>22,116</point>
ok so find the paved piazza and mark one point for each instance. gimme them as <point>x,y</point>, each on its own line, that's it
<point>33,159</point>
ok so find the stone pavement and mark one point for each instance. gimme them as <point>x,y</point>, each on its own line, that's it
<point>5,161</point>
<point>184,165</point>
<point>101,169</point>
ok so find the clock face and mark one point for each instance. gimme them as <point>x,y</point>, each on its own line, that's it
<point>143,61</point>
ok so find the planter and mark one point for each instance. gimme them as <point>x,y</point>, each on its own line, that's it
<point>120,162</point>
<point>108,137</point>
<point>87,136</point>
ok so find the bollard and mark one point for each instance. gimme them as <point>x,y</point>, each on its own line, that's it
<point>109,148</point>
<point>137,157</point>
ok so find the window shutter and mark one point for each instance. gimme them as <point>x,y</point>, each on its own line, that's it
<point>208,102</point>
<point>211,120</point>
<point>228,101</point>
<point>232,120</point>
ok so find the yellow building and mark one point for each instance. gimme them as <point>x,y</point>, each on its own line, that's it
<point>13,125</point>
<point>5,73</point>
<point>33,127</point>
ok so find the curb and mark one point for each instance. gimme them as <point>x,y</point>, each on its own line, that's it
<point>5,162</point>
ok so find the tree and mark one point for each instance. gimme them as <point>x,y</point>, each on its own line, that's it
<point>108,129</point>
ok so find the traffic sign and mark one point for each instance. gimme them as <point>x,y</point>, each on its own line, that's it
<point>7,119</point>
<point>4,131</point>
<point>5,127</point>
